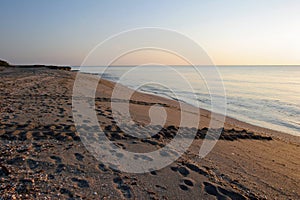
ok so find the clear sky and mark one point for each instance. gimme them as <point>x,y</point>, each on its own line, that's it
<point>231,31</point>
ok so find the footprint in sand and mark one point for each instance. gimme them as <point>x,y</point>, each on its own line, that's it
<point>60,168</point>
<point>196,169</point>
<point>81,182</point>
<point>161,187</point>
<point>220,192</point>
<point>103,167</point>
<point>79,156</point>
<point>56,159</point>
<point>65,191</point>
<point>186,184</point>
<point>16,161</point>
<point>124,188</point>
<point>183,171</point>
<point>150,142</point>
<point>154,173</point>
<point>183,187</point>
<point>143,157</point>
<point>32,164</point>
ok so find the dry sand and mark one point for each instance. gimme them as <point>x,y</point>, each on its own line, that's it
<point>42,156</point>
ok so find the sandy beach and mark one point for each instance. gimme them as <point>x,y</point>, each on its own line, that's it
<point>42,156</point>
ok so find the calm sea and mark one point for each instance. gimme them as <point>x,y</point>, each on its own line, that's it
<point>267,96</point>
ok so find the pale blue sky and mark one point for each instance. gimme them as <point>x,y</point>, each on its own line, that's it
<point>232,32</point>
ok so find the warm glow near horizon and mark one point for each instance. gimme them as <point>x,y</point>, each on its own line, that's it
<point>150,56</point>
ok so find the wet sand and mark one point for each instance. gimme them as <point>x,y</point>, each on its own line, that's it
<point>42,156</point>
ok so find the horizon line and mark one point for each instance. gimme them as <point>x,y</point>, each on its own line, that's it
<point>225,65</point>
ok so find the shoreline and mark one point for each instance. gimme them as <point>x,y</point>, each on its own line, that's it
<point>230,122</point>
<point>288,137</point>
<point>279,132</point>
<point>43,156</point>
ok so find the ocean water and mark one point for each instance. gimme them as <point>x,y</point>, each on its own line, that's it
<point>267,96</point>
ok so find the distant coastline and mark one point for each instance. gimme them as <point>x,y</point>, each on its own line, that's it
<point>6,64</point>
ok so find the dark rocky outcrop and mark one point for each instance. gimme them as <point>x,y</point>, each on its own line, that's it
<point>4,63</point>
<point>67,68</point>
